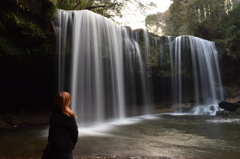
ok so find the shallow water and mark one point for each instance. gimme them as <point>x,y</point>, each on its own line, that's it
<point>175,136</point>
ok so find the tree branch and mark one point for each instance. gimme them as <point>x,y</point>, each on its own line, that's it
<point>102,6</point>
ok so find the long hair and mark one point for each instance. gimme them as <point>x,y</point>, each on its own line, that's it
<point>62,100</point>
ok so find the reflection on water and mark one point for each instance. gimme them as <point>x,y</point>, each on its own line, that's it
<point>181,136</point>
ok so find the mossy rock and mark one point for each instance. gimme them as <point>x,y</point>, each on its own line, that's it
<point>12,119</point>
<point>238,111</point>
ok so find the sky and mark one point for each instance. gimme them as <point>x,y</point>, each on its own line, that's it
<point>136,19</point>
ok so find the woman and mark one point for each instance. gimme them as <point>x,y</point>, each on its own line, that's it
<point>63,131</point>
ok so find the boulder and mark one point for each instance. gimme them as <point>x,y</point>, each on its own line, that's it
<point>229,106</point>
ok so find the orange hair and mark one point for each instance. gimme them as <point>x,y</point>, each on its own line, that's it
<point>62,100</point>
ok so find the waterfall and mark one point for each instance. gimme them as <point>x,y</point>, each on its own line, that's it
<point>108,69</point>
<point>205,65</point>
<point>202,69</point>
<point>103,57</point>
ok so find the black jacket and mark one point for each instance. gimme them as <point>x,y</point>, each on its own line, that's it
<point>63,131</point>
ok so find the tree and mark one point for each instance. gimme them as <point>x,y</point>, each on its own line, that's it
<point>232,39</point>
<point>170,22</point>
<point>102,7</point>
<point>176,16</point>
<point>205,18</point>
<point>107,8</point>
<point>159,23</point>
<point>202,18</point>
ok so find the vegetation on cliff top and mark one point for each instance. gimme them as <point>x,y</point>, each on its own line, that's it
<point>214,20</point>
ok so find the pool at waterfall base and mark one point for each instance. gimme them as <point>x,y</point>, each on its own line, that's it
<point>180,136</point>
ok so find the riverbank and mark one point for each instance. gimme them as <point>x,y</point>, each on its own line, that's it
<point>91,157</point>
<point>121,157</point>
<point>100,157</point>
<point>23,118</point>
<point>26,118</point>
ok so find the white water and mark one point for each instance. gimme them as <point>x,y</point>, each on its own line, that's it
<point>205,66</point>
<point>99,69</point>
<point>107,68</point>
<point>205,73</point>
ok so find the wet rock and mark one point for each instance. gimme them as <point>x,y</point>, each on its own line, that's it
<point>229,106</point>
<point>226,113</point>
<point>12,120</point>
<point>4,125</point>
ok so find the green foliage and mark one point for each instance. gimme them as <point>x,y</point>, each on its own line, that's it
<point>176,15</point>
<point>107,8</point>
<point>74,4</point>
<point>201,18</point>
<point>233,32</point>
<point>12,119</point>
<point>8,47</point>
<point>154,56</point>
<point>25,26</point>
<point>158,23</point>
<point>205,18</point>
<point>214,20</point>
<point>238,110</point>
<point>151,23</point>
<point>50,10</point>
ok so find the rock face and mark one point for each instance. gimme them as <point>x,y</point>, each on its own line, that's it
<point>229,106</point>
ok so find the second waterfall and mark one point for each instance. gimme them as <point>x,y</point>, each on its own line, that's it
<point>113,72</point>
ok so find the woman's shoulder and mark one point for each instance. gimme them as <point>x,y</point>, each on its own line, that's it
<point>71,117</point>
<point>56,112</point>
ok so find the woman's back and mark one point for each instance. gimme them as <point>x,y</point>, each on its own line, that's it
<point>63,131</point>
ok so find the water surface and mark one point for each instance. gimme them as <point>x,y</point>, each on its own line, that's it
<point>178,136</point>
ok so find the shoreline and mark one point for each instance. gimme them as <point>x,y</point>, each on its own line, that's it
<point>26,119</point>
<point>99,157</point>
<point>120,157</point>
<point>23,119</point>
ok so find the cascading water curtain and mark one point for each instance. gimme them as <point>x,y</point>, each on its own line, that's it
<point>143,58</point>
<point>102,61</point>
<point>202,69</point>
<point>205,59</point>
<point>108,69</point>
